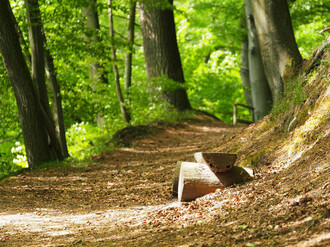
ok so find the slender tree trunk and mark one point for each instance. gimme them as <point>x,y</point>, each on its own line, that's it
<point>277,42</point>
<point>130,41</point>
<point>261,95</point>
<point>35,136</point>
<point>92,26</point>
<point>123,109</point>
<point>57,102</point>
<point>245,75</point>
<point>38,73</point>
<point>161,49</point>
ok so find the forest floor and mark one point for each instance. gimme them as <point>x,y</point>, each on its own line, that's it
<point>124,197</point>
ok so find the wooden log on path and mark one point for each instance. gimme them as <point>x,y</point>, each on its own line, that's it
<point>193,180</point>
<point>196,180</point>
<point>218,162</point>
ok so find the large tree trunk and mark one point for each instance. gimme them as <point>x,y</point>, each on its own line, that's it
<point>123,109</point>
<point>92,28</point>
<point>24,46</point>
<point>55,90</point>
<point>37,51</point>
<point>261,94</point>
<point>161,49</point>
<point>35,136</point>
<point>130,41</point>
<point>38,74</point>
<point>277,42</point>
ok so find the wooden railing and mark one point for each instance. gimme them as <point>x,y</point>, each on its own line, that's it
<point>238,120</point>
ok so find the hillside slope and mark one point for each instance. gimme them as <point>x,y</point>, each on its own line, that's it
<point>288,202</point>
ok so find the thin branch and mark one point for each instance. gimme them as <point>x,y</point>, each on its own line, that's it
<point>325,29</point>
<point>11,138</point>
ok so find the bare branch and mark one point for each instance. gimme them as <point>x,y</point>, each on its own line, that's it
<point>11,138</point>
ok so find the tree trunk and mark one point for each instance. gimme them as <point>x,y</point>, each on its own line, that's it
<point>35,136</point>
<point>38,74</point>
<point>57,102</point>
<point>123,109</point>
<point>37,51</point>
<point>277,42</point>
<point>26,50</point>
<point>130,41</point>
<point>92,26</point>
<point>161,51</point>
<point>245,77</point>
<point>261,94</point>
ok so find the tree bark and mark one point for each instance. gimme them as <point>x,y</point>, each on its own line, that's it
<point>130,41</point>
<point>57,102</point>
<point>26,50</point>
<point>35,136</point>
<point>92,26</point>
<point>123,109</point>
<point>37,51</point>
<point>277,42</point>
<point>260,91</point>
<point>161,51</point>
<point>54,86</point>
<point>38,74</point>
<point>245,74</point>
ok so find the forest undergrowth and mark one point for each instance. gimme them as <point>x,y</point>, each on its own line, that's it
<point>124,197</point>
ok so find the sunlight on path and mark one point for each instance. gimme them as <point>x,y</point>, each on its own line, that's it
<point>55,223</point>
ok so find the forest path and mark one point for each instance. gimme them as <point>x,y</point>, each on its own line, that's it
<point>120,190</point>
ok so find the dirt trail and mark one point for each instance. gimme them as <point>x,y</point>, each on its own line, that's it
<point>120,193</point>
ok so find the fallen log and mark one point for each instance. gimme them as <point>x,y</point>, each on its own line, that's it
<point>197,179</point>
<point>235,175</point>
<point>218,162</point>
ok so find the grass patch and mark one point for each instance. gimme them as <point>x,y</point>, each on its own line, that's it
<point>294,95</point>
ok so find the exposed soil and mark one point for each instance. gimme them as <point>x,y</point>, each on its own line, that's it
<point>66,205</point>
<point>124,197</point>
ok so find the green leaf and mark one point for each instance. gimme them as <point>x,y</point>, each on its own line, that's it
<point>243,226</point>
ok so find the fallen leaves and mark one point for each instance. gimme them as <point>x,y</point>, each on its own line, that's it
<point>125,200</point>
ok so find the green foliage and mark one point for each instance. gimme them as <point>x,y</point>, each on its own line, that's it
<point>214,86</point>
<point>309,17</point>
<point>12,157</point>
<point>82,138</point>
<point>293,96</point>
<point>209,37</point>
<point>206,30</point>
<point>147,104</point>
<point>9,120</point>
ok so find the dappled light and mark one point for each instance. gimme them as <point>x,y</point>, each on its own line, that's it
<point>119,123</point>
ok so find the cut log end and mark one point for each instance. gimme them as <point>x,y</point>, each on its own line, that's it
<point>196,180</point>
<point>218,162</point>
<point>193,180</point>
